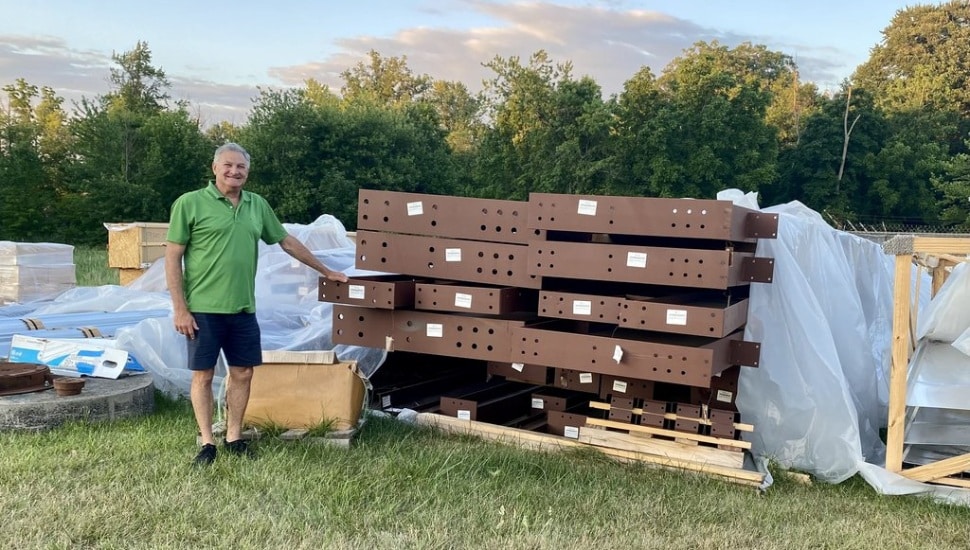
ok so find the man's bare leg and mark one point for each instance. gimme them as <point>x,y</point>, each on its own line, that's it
<point>237,398</point>
<point>201,395</point>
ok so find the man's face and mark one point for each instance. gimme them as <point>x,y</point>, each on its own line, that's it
<point>230,170</point>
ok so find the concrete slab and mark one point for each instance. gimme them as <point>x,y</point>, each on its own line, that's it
<point>101,400</point>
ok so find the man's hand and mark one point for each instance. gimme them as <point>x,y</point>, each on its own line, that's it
<point>185,324</point>
<point>337,276</point>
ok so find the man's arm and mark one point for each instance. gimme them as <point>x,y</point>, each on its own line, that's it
<point>292,246</point>
<point>184,321</point>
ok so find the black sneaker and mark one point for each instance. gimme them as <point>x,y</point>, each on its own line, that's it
<point>206,456</point>
<point>239,447</point>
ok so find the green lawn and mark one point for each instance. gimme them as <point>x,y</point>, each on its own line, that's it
<point>129,484</point>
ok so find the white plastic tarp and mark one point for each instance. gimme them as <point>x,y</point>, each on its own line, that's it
<point>289,320</point>
<point>819,396</point>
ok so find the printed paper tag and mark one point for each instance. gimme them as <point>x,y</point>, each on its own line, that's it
<point>538,403</point>
<point>585,378</point>
<point>572,432</point>
<point>452,254</point>
<point>415,208</point>
<point>724,396</point>
<point>617,354</point>
<point>582,307</point>
<point>619,385</point>
<point>356,292</point>
<point>435,330</point>
<point>463,300</point>
<point>386,401</point>
<point>587,207</point>
<point>464,415</point>
<point>518,367</point>
<point>677,317</point>
<point>636,259</point>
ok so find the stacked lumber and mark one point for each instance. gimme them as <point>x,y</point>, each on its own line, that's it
<point>615,322</point>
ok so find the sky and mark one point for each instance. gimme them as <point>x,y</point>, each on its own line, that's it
<point>218,54</point>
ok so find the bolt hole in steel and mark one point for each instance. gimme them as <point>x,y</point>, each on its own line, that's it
<point>387,203</point>
<point>434,223</point>
<point>385,219</point>
<point>366,201</point>
<point>340,316</point>
<point>457,344</point>
<point>365,216</point>
<point>475,330</point>
<point>360,334</point>
<point>360,319</point>
<point>410,323</point>
<point>491,331</point>
<point>483,228</point>
<point>430,249</point>
<point>485,211</point>
<point>430,265</point>
<point>481,254</point>
<point>460,328</point>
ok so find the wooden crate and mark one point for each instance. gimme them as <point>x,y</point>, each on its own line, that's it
<point>945,252</point>
<point>128,275</point>
<point>135,245</point>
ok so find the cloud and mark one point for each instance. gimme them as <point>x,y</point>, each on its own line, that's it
<point>603,40</point>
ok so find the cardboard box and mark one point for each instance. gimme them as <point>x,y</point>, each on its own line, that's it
<point>297,390</point>
<point>72,357</point>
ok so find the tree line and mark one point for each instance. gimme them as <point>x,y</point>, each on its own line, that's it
<point>890,146</point>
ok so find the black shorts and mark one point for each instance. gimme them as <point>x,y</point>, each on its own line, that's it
<point>236,334</point>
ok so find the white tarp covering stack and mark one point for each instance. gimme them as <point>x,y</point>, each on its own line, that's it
<point>35,271</point>
<point>290,315</point>
<point>820,395</point>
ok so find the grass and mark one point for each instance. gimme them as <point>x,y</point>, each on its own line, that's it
<point>91,266</point>
<point>129,484</point>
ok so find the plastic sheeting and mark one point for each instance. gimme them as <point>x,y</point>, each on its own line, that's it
<point>289,319</point>
<point>819,396</point>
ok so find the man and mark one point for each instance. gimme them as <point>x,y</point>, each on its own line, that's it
<point>216,231</point>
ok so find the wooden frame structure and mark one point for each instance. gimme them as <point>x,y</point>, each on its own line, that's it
<point>937,254</point>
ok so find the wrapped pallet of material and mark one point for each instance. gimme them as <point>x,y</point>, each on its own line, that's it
<point>35,271</point>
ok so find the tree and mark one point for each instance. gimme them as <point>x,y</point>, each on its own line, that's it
<point>953,184</point>
<point>713,133</point>
<point>139,87</point>
<point>923,65</point>
<point>549,133</point>
<point>386,81</point>
<point>134,153</point>
<point>33,152</point>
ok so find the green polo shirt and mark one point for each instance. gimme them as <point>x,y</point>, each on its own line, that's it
<point>221,247</point>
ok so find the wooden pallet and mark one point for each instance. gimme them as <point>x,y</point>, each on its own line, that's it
<point>664,455</point>
<point>337,438</point>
